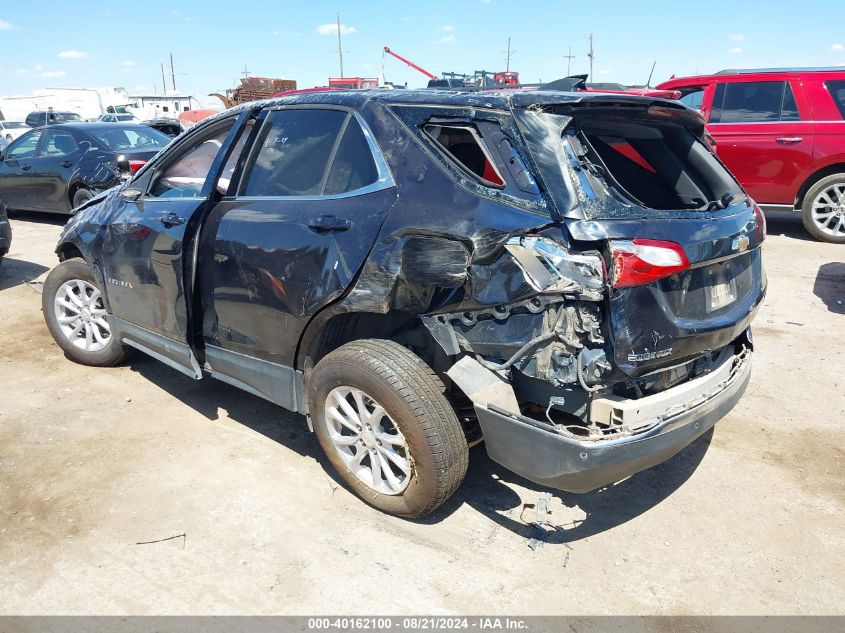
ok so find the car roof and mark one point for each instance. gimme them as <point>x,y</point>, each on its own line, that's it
<point>769,74</point>
<point>94,126</point>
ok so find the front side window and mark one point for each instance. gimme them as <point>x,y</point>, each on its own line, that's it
<point>293,153</point>
<point>185,177</point>
<point>24,147</point>
<point>58,143</point>
<point>837,91</point>
<point>754,102</point>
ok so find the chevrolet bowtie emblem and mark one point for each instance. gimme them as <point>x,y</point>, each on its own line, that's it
<point>740,243</point>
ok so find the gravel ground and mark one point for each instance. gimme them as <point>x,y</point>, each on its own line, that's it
<point>94,462</point>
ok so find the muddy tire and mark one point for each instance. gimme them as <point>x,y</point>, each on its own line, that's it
<point>384,424</point>
<point>81,196</point>
<point>76,317</point>
<point>823,209</point>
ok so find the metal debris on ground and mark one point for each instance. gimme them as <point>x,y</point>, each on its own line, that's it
<point>182,536</point>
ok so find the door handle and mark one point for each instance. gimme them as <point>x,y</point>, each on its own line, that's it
<point>325,223</point>
<point>171,219</point>
<point>67,163</point>
<point>789,140</point>
<point>26,167</point>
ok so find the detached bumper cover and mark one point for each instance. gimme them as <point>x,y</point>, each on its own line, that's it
<point>538,453</point>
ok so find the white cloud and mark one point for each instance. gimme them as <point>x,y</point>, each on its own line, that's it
<point>21,71</point>
<point>5,26</point>
<point>735,50</point>
<point>52,74</point>
<point>72,55</point>
<point>737,37</point>
<point>837,48</point>
<point>446,28</point>
<point>331,29</point>
<point>38,68</point>
<point>446,39</point>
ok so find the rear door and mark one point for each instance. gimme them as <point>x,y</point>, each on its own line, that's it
<point>144,253</point>
<point>54,163</point>
<point>16,171</point>
<point>289,240</point>
<point>764,134</point>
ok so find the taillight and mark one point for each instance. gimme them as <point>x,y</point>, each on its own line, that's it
<point>640,261</point>
<point>135,165</point>
<point>761,222</point>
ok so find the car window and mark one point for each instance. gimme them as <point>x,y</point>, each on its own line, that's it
<point>692,97</point>
<point>754,102</point>
<point>124,138</point>
<point>24,147</point>
<point>837,91</point>
<point>465,146</point>
<point>58,143</point>
<point>353,166</point>
<point>185,177</point>
<point>292,153</point>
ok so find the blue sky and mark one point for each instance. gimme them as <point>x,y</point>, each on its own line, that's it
<point>52,43</point>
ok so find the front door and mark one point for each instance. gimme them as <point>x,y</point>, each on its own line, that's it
<point>16,171</point>
<point>144,250</point>
<point>764,134</point>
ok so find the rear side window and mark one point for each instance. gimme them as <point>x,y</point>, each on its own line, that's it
<point>692,97</point>
<point>57,143</point>
<point>754,102</point>
<point>837,91</point>
<point>464,145</point>
<point>294,149</point>
<point>353,166</point>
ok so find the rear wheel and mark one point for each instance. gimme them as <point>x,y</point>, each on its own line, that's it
<point>384,424</point>
<point>76,316</point>
<point>81,196</point>
<point>823,210</point>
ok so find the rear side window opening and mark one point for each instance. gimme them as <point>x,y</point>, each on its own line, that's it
<point>837,91</point>
<point>656,165</point>
<point>464,145</point>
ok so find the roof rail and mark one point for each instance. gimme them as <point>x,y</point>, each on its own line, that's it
<point>749,71</point>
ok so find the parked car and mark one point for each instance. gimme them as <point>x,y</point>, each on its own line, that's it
<point>51,117</point>
<point>10,130</point>
<point>60,167</point>
<point>118,118</point>
<point>5,230</point>
<point>782,133</point>
<point>171,127</point>
<point>571,277</point>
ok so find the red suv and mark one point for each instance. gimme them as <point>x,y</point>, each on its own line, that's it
<point>782,133</point>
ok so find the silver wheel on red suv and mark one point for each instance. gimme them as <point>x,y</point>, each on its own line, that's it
<point>824,209</point>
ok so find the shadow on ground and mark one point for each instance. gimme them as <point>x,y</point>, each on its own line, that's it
<point>14,272</point>
<point>788,224</point>
<point>485,486</point>
<point>56,219</point>
<point>829,286</point>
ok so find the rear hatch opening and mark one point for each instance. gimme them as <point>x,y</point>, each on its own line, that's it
<point>653,164</point>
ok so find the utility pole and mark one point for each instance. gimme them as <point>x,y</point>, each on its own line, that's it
<point>569,59</point>
<point>339,45</point>
<point>163,82</point>
<point>245,73</point>
<point>592,56</point>
<point>509,53</point>
<point>172,73</point>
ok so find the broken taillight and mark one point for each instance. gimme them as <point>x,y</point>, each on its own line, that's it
<point>761,222</point>
<point>640,261</point>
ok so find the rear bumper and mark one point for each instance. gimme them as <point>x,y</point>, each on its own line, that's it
<point>538,453</point>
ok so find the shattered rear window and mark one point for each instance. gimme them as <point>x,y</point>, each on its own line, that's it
<point>465,146</point>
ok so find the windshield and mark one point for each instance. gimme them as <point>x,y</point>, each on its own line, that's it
<point>128,138</point>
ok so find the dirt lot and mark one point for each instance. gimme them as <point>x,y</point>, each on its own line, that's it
<point>94,461</point>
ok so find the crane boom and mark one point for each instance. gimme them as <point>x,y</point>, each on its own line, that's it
<point>410,63</point>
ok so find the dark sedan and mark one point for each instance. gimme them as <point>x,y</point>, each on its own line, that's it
<point>60,167</point>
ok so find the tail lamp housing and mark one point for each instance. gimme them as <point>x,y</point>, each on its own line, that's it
<point>642,261</point>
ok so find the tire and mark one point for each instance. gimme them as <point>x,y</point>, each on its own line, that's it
<point>429,442</point>
<point>86,339</point>
<point>81,196</point>
<point>823,215</point>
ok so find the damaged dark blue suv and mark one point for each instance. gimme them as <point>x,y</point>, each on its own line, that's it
<point>569,277</point>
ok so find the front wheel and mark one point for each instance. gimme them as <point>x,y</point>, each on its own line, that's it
<point>823,210</point>
<point>81,196</point>
<point>76,316</point>
<point>383,422</point>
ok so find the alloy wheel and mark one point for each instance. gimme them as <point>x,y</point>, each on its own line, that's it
<point>828,211</point>
<point>368,440</point>
<point>81,315</point>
